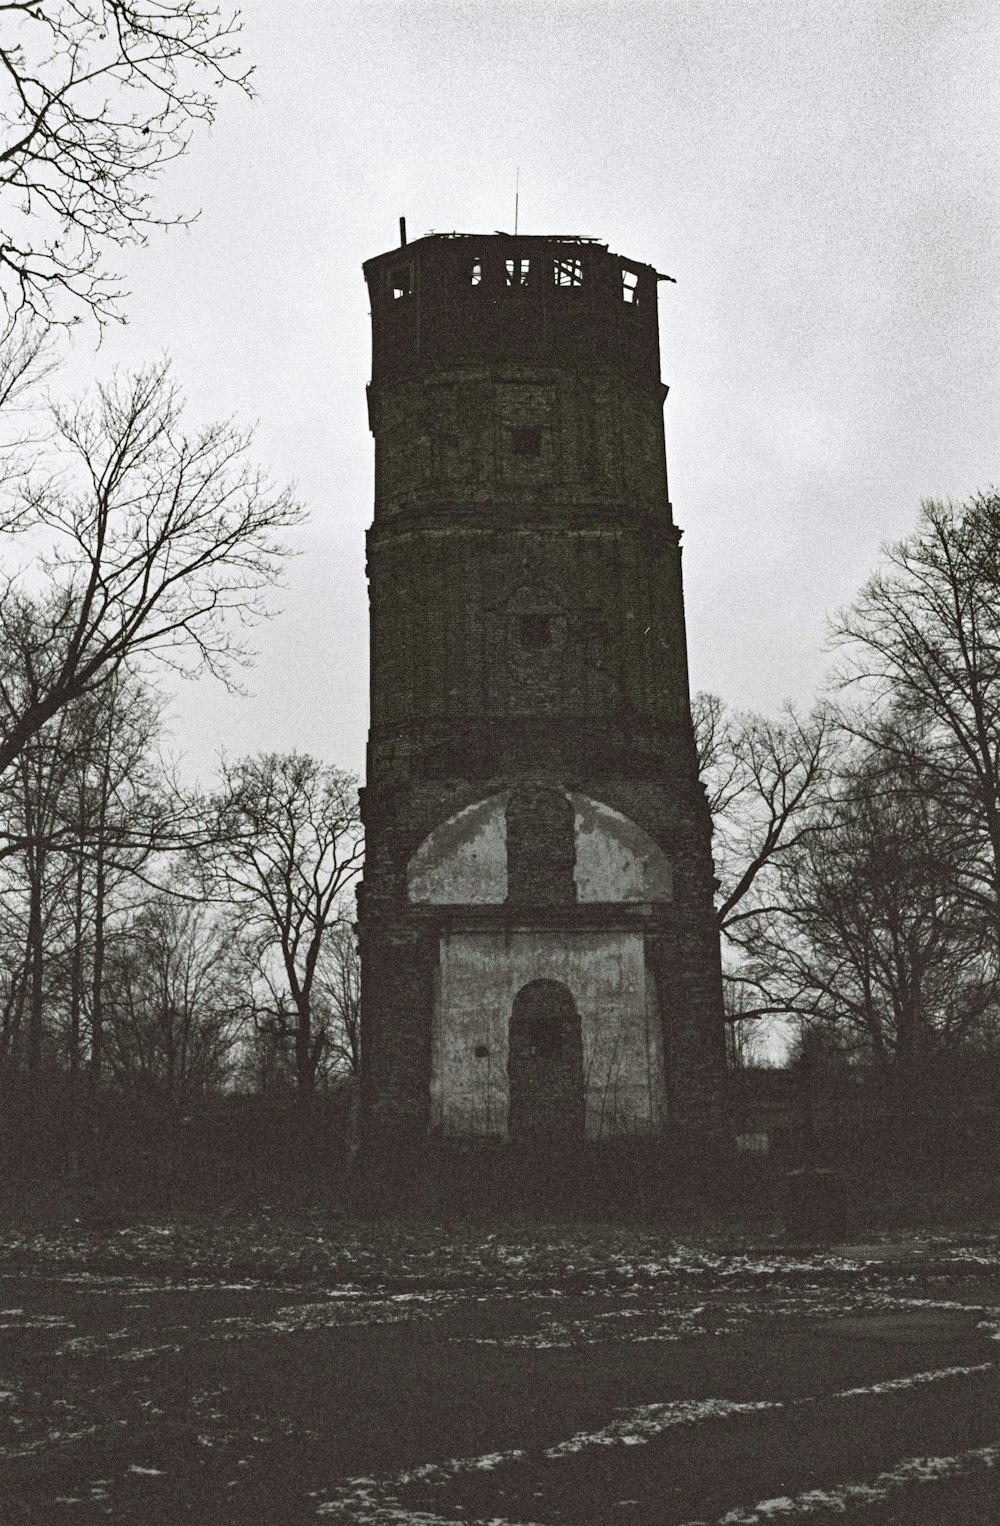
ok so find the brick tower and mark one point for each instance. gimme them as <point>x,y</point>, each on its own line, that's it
<point>539,951</point>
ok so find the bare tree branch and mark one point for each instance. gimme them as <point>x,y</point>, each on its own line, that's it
<point>289,846</point>
<point>923,640</point>
<point>96,98</point>
<point>763,780</point>
<point>161,544</point>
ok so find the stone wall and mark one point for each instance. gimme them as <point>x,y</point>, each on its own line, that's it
<point>479,977</point>
<point>556,852</point>
<point>600,440</point>
<point>457,609</point>
<point>647,882</point>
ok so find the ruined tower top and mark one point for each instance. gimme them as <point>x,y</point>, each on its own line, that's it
<point>462,299</point>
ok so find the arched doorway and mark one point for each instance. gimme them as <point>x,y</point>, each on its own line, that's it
<point>545,1065</point>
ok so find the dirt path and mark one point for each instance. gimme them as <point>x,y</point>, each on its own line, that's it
<point>318,1372</point>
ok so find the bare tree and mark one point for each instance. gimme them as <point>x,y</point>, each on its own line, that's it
<point>922,641</point>
<point>96,97</point>
<point>339,984</point>
<point>161,543</point>
<point>172,1023</point>
<point>114,816</point>
<point>84,811</point>
<point>764,780</point>
<point>871,936</point>
<point>746,1037</point>
<point>289,845</point>
<point>34,799</point>
<point>27,357</point>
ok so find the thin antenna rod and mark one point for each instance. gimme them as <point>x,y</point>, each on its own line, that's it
<point>517,195</point>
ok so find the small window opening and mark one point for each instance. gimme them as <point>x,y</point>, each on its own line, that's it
<point>401,281</point>
<point>535,630</point>
<point>630,286</point>
<point>517,272</point>
<point>477,273</point>
<point>569,272</point>
<point>526,440</point>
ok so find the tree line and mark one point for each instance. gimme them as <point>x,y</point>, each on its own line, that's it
<point>172,943</point>
<point>163,940</point>
<point>858,847</point>
<point>149,934</point>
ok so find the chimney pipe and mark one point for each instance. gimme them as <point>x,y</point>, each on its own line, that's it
<point>402,231</point>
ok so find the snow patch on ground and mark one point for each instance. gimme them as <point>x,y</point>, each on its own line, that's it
<point>650,1420</point>
<point>52,1438</point>
<point>37,1322</point>
<point>660,1320</point>
<point>848,1496</point>
<point>896,1385</point>
<point>364,1503</point>
<point>376,1502</point>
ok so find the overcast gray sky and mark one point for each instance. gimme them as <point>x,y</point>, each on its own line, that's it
<point>820,177</point>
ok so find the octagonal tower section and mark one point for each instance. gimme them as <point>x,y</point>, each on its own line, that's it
<point>538,841</point>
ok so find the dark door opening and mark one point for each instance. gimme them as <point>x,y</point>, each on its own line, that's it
<point>545,1065</point>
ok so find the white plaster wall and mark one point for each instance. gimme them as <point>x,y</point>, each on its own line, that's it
<point>478,977</point>
<point>463,862</point>
<point>615,859</point>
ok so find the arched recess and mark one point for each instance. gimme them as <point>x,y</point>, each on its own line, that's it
<point>534,627</point>
<point>615,860</point>
<point>545,1064</point>
<point>536,619</point>
<point>463,862</point>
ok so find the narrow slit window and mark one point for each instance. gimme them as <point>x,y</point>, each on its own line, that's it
<point>526,440</point>
<point>535,631</point>
<point>401,281</point>
<point>569,272</point>
<point>517,272</point>
<point>477,273</point>
<point>630,286</point>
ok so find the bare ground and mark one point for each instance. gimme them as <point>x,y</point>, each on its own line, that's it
<point>270,1371</point>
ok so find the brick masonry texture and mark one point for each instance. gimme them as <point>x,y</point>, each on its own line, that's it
<point>528,646</point>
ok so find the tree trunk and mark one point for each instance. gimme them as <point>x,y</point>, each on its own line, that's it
<point>75,1013</point>
<point>76,977</point>
<point>36,963</point>
<point>906,1078</point>
<point>97,979</point>
<point>306,1054</point>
